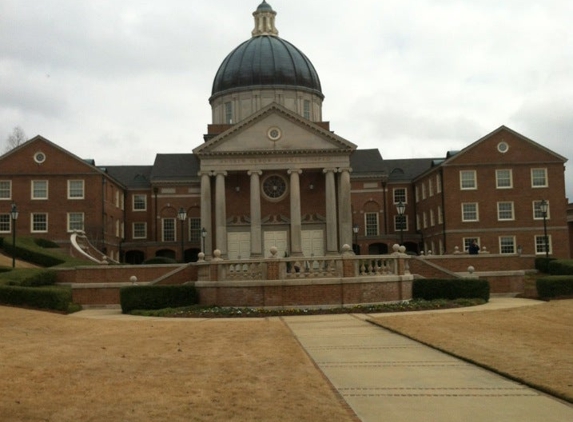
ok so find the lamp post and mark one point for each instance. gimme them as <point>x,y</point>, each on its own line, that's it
<point>14,217</point>
<point>355,229</point>
<point>401,208</point>
<point>543,207</point>
<point>203,236</point>
<point>182,215</point>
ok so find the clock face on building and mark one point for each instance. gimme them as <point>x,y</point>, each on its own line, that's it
<point>274,187</point>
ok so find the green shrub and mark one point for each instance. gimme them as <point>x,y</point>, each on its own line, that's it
<point>560,267</point>
<point>542,264</point>
<point>159,260</point>
<point>554,286</point>
<point>466,288</point>
<point>157,297</point>
<point>28,277</point>
<point>54,298</point>
<point>25,253</point>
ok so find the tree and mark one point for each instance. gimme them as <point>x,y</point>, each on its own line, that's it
<point>17,137</point>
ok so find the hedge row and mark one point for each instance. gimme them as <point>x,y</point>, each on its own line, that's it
<point>26,254</point>
<point>156,297</point>
<point>460,288</point>
<point>54,298</point>
<point>561,267</point>
<point>555,286</point>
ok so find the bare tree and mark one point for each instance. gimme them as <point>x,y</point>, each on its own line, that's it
<point>17,137</point>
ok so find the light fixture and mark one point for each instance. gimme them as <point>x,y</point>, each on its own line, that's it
<point>203,236</point>
<point>311,186</point>
<point>14,217</point>
<point>182,215</point>
<point>401,208</point>
<point>238,188</point>
<point>544,207</point>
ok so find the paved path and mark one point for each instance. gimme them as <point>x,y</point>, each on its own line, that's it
<point>384,376</point>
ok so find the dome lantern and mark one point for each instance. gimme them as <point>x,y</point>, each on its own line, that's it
<point>265,21</point>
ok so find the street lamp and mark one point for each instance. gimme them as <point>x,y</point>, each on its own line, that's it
<point>203,236</point>
<point>401,208</point>
<point>14,216</point>
<point>543,207</point>
<point>355,229</point>
<point>182,215</point>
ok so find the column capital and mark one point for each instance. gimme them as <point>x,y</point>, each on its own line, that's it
<point>220,173</point>
<point>292,171</point>
<point>330,170</point>
<point>345,169</point>
<point>257,172</point>
<point>205,173</point>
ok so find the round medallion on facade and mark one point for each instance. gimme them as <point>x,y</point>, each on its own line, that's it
<point>39,157</point>
<point>274,187</point>
<point>274,133</point>
<point>502,147</point>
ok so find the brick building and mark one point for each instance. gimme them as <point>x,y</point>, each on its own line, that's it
<point>270,172</point>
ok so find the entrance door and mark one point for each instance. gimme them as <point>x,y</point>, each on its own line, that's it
<point>278,239</point>
<point>313,243</point>
<point>239,245</point>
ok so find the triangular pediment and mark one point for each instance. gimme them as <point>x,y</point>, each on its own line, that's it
<point>274,130</point>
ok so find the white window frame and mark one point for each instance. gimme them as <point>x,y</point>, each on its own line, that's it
<point>534,178</point>
<point>135,201</point>
<point>430,188</point>
<point>397,195</point>
<point>501,213</point>
<point>468,183</point>
<point>139,227</point>
<point>5,223</point>
<point>228,110</point>
<point>432,220</point>
<point>33,223</point>
<point>540,244</point>
<point>194,229</point>
<point>468,240</point>
<point>500,178</point>
<point>537,214</point>
<point>504,245</point>
<point>164,229</point>
<point>5,189</point>
<point>73,191</point>
<point>371,223</point>
<point>75,225</point>
<point>440,216</point>
<point>438,183</point>
<point>35,187</point>
<point>464,212</point>
<point>404,219</point>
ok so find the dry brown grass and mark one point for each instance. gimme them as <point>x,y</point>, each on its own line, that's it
<point>533,344</point>
<point>60,368</point>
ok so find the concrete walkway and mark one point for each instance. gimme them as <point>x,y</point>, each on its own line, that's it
<point>384,376</point>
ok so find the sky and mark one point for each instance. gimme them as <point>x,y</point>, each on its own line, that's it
<point>120,81</point>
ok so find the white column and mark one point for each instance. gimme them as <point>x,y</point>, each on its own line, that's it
<point>206,211</point>
<point>345,209</point>
<point>330,202</point>
<point>256,230</point>
<point>220,214</point>
<point>295,217</point>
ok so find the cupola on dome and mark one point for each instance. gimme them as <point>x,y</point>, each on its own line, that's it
<point>265,61</point>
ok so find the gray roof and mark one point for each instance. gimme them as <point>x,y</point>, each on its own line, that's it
<point>406,169</point>
<point>366,161</point>
<point>133,177</point>
<point>171,167</point>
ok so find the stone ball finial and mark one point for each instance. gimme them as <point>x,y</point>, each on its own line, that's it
<point>402,249</point>
<point>217,255</point>
<point>274,251</point>
<point>471,269</point>
<point>133,279</point>
<point>201,256</point>
<point>396,247</point>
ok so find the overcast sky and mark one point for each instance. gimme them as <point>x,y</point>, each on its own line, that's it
<point>122,80</point>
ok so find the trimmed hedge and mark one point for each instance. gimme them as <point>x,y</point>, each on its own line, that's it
<point>54,298</point>
<point>29,277</point>
<point>561,267</point>
<point>451,289</point>
<point>26,254</point>
<point>157,297</point>
<point>555,286</point>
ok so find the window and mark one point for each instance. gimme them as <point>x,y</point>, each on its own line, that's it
<point>432,221</point>
<point>430,187</point>
<point>400,195</point>
<point>503,179</point>
<point>75,189</point>
<point>39,222</point>
<point>117,198</point>
<point>507,244</point>
<point>117,227</point>
<point>195,229</point>
<point>537,214</point>
<point>139,202</point>
<point>540,245</point>
<point>468,241</point>
<point>468,179</point>
<point>470,211</point>
<point>439,183</point>
<point>417,194</point>
<point>168,229</point>
<point>139,230</point>
<point>75,221</point>
<point>425,219</point>
<point>229,113</point>
<point>423,191</point>
<point>39,189</point>
<point>371,220</point>
<point>5,223</point>
<point>505,211</point>
<point>5,189</point>
<point>538,178</point>
<point>400,223</point>
<point>440,216</point>
<point>306,111</point>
